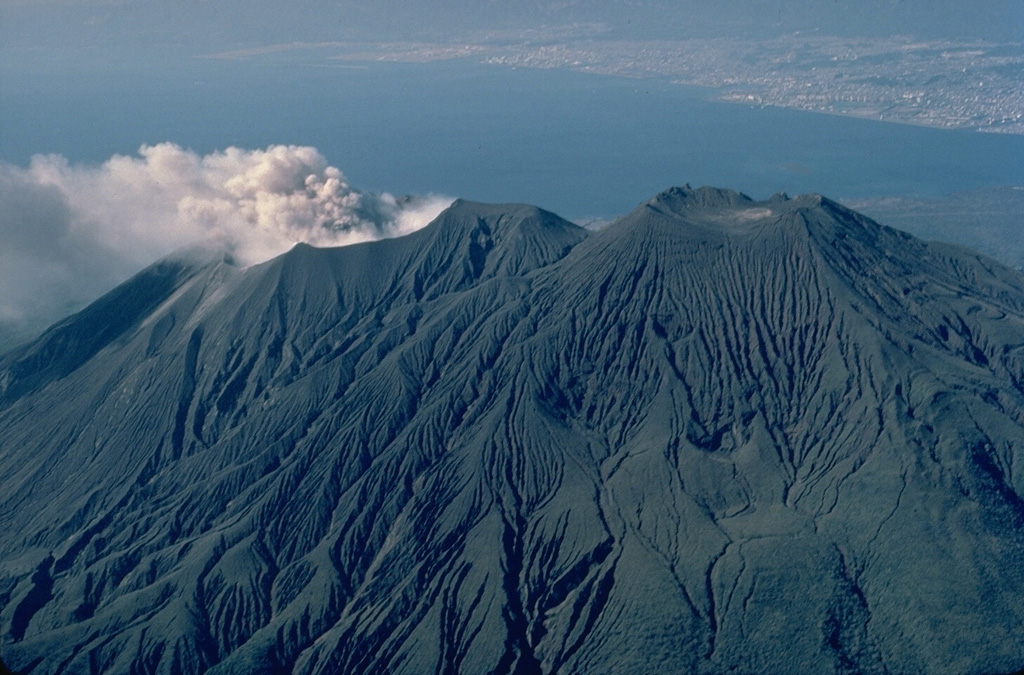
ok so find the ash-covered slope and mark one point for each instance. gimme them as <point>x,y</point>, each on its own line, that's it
<point>719,435</point>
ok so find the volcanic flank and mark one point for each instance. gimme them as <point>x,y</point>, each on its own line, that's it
<point>717,436</point>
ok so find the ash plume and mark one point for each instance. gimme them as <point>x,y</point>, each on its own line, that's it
<point>70,232</point>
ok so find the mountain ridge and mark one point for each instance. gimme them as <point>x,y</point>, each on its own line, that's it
<point>717,434</point>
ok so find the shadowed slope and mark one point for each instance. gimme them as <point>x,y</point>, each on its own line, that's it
<point>73,341</point>
<point>717,435</point>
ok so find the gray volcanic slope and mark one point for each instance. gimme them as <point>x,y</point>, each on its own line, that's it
<point>717,436</point>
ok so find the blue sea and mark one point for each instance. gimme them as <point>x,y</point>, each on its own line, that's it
<point>579,144</point>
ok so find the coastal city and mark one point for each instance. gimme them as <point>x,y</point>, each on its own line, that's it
<point>940,83</point>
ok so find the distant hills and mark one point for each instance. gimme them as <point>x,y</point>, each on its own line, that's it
<point>161,25</point>
<point>718,435</point>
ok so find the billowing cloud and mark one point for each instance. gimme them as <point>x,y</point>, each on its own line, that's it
<point>69,232</point>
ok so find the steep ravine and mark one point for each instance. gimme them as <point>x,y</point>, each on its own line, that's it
<point>717,436</point>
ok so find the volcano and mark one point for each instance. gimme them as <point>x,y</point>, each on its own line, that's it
<point>718,435</point>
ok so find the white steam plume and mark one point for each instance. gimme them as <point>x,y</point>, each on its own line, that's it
<point>69,233</point>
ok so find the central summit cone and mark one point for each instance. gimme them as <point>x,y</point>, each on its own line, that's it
<point>685,198</point>
<point>717,435</point>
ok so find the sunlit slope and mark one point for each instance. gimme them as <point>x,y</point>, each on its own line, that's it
<point>716,435</point>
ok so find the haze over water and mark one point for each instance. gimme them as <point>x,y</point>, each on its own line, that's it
<point>580,144</point>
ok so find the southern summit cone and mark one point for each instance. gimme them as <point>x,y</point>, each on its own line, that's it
<point>718,435</point>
